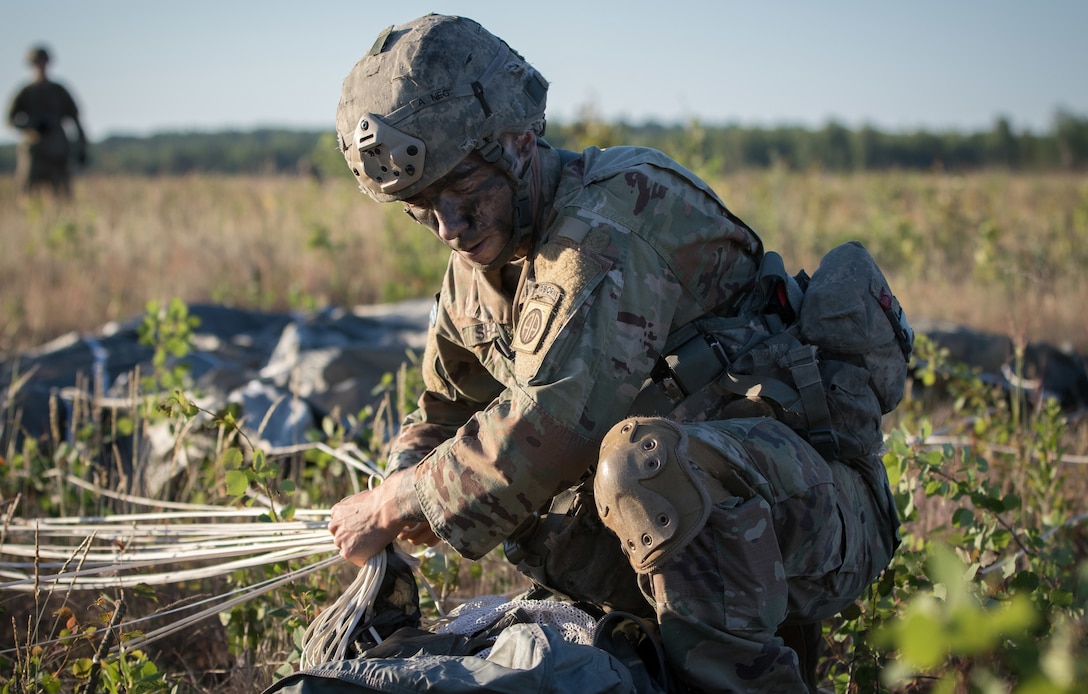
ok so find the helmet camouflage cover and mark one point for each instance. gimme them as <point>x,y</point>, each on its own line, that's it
<point>427,94</point>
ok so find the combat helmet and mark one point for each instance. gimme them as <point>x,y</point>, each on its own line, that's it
<point>427,94</point>
<point>37,55</point>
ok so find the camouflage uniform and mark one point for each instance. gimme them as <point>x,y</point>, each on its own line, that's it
<point>528,367</point>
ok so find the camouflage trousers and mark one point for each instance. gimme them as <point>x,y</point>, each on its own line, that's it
<point>787,538</point>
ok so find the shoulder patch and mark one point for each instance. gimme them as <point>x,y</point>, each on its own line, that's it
<point>536,317</point>
<point>566,278</point>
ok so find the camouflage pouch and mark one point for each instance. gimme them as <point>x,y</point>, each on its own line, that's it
<point>863,344</point>
<point>826,355</point>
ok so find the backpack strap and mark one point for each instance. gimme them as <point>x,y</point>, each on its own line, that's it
<point>810,385</point>
<point>692,357</point>
<point>806,396</point>
<point>694,361</point>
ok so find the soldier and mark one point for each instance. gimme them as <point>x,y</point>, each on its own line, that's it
<point>571,275</point>
<point>40,110</point>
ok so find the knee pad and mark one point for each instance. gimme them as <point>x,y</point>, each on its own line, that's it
<point>646,490</point>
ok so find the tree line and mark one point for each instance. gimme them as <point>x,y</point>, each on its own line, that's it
<point>706,148</point>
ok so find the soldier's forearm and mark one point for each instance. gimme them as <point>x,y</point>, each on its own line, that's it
<point>404,502</point>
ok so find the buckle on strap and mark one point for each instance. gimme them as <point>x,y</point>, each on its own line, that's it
<point>825,441</point>
<point>806,376</point>
<point>802,363</point>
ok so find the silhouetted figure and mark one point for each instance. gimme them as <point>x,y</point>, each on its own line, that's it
<point>40,111</point>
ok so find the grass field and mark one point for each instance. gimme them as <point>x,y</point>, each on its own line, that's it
<point>994,251</point>
<point>1003,611</point>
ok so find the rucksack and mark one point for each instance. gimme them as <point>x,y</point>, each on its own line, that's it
<point>826,354</point>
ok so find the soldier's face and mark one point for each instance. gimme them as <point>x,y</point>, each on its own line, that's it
<point>470,209</point>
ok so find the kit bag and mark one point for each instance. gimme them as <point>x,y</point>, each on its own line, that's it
<point>825,354</point>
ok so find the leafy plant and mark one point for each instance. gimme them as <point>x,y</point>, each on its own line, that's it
<point>169,330</point>
<point>981,597</point>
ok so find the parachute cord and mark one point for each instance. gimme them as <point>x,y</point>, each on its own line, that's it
<point>328,635</point>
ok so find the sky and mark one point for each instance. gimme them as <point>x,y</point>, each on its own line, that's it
<point>138,67</point>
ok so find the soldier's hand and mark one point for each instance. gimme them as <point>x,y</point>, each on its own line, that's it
<point>365,523</point>
<point>419,534</point>
<point>357,527</point>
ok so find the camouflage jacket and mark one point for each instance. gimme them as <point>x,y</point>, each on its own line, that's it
<point>527,367</point>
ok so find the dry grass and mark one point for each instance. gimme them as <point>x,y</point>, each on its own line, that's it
<point>995,251</point>
<point>261,242</point>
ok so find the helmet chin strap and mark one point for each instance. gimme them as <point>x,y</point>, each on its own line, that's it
<point>522,225</point>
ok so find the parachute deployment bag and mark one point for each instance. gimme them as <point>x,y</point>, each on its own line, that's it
<point>827,355</point>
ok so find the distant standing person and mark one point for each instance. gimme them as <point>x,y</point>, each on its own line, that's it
<point>40,111</point>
